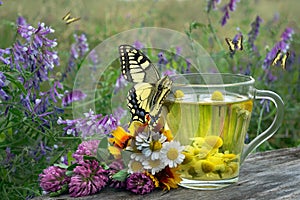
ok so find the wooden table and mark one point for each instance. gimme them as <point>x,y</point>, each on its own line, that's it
<point>268,175</point>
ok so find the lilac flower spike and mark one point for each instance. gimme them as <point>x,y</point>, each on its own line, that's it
<point>90,125</point>
<point>162,58</point>
<point>252,35</point>
<point>231,6</point>
<point>75,95</point>
<point>35,55</point>
<point>3,94</point>
<point>138,45</point>
<point>212,4</point>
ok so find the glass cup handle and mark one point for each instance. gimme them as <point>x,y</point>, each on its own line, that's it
<point>262,137</point>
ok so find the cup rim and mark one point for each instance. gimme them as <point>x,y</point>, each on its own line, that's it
<point>249,80</point>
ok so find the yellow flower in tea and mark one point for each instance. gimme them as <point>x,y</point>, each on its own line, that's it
<point>207,166</point>
<point>217,96</point>
<point>178,94</point>
<point>214,141</point>
<point>198,141</point>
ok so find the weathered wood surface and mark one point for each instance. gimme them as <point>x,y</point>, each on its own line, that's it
<point>267,175</point>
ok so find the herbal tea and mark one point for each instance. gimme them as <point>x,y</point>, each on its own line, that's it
<point>213,128</point>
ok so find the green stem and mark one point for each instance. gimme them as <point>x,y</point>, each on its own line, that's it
<point>214,32</point>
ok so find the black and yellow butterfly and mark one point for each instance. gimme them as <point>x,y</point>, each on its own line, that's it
<point>68,19</point>
<point>235,44</point>
<point>146,97</point>
<point>282,57</point>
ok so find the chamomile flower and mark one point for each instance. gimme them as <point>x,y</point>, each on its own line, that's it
<point>171,153</point>
<point>135,166</point>
<point>154,165</point>
<point>150,143</point>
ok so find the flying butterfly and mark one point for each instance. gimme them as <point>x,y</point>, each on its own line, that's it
<point>282,57</point>
<point>146,97</point>
<point>235,44</point>
<point>68,19</point>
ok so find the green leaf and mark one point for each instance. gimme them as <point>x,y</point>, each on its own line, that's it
<point>125,157</point>
<point>102,151</point>
<point>61,165</point>
<point>16,82</point>
<point>63,190</point>
<point>71,167</point>
<point>120,175</point>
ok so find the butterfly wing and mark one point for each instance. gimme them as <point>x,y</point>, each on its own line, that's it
<point>230,44</point>
<point>162,89</point>
<point>139,101</point>
<point>136,67</point>
<point>284,59</point>
<point>277,57</point>
<point>67,16</point>
<point>239,43</point>
<point>69,21</point>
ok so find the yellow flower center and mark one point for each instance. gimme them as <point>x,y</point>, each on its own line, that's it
<point>154,163</point>
<point>136,166</point>
<point>172,154</point>
<point>155,145</point>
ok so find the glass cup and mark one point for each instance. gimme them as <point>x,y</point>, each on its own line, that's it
<point>209,114</point>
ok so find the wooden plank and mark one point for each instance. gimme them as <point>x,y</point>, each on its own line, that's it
<point>268,175</point>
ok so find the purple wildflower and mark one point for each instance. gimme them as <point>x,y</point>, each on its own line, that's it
<point>7,162</point>
<point>138,45</point>
<point>88,178</point>
<point>283,45</point>
<point>212,4</point>
<point>252,35</point>
<point>267,103</point>
<point>77,53</point>
<point>53,179</point>
<point>90,125</point>
<point>114,167</point>
<point>162,58</point>
<point>270,77</point>
<point>3,83</point>
<point>178,52</point>
<point>75,95</point>
<point>37,152</point>
<point>169,72</point>
<point>88,148</point>
<point>120,84</point>
<point>119,113</point>
<point>35,55</point>
<point>5,59</point>
<point>21,21</point>
<point>231,6</point>
<point>188,65</point>
<point>139,183</point>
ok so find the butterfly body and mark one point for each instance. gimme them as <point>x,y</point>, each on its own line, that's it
<point>146,97</point>
<point>281,57</point>
<point>235,44</point>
